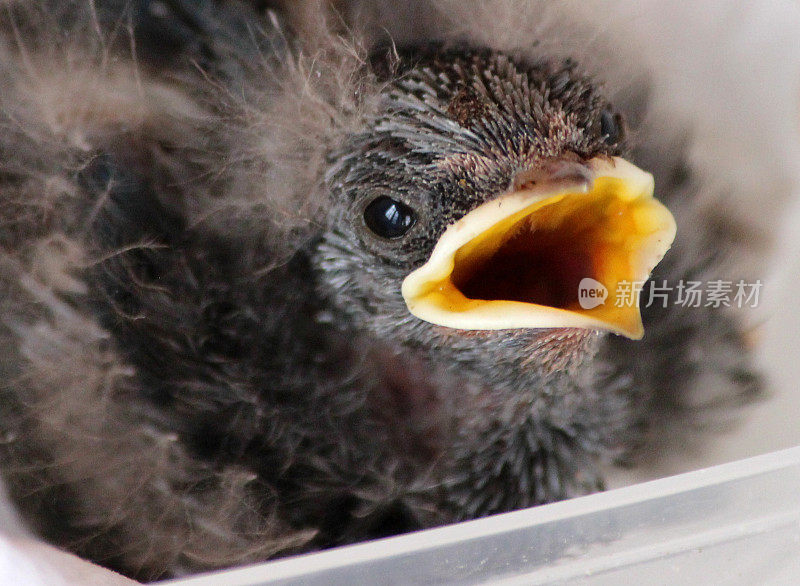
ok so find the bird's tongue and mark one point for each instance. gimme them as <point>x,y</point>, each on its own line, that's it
<point>560,254</point>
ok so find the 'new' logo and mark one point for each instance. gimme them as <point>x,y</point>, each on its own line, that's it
<point>591,293</point>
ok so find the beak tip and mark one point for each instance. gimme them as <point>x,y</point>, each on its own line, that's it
<point>635,333</point>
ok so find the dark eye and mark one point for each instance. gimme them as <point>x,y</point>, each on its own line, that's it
<point>610,126</point>
<point>389,218</point>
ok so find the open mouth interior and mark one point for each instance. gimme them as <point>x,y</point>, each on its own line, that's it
<point>540,259</point>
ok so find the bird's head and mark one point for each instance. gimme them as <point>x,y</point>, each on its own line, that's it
<point>485,193</point>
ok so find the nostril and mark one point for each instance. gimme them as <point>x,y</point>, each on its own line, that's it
<point>529,178</point>
<point>554,171</point>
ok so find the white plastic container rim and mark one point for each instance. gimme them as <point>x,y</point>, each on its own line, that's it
<point>736,523</point>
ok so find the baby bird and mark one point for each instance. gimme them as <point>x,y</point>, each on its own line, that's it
<point>272,284</point>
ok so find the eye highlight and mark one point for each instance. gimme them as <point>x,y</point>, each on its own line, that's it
<point>610,126</point>
<point>389,218</point>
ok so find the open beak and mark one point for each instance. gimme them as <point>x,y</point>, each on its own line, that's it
<point>565,251</point>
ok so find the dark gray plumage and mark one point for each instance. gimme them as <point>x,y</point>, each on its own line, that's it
<point>209,360</point>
